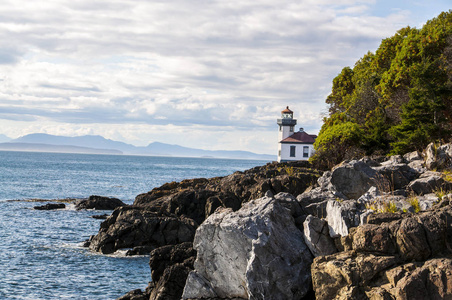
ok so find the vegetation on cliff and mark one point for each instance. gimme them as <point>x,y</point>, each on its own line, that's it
<point>393,101</point>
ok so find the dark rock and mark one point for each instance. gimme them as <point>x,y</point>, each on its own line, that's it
<point>198,198</point>
<point>429,182</point>
<point>163,257</point>
<point>170,266</point>
<point>432,280</point>
<point>373,238</point>
<point>140,250</point>
<point>87,242</point>
<point>171,284</point>
<point>100,217</point>
<point>399,175</point>
<point>99,203</point>
<point>135,295</point>
<point>362,176</point>
<point>50,206</point>
<point>384,218</point>
<point>128,227</point>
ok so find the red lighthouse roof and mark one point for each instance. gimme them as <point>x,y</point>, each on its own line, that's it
<point>287,111</point>
<point>300,137</point>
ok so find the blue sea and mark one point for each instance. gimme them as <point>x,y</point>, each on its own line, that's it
<point>40,251</point>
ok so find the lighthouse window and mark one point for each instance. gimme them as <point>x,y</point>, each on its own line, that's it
<point>291,128</point>
<point>280,128</point>
<point>305,151</point>
<point>292,151</point>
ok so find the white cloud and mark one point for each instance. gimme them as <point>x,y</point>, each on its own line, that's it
<point>197,73</point>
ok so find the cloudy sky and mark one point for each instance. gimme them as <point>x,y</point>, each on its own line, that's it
<point>199,73</point>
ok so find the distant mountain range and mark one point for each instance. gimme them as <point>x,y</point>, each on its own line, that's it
<point>95,144</point>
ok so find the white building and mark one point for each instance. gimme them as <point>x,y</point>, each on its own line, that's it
<point>293,145</point>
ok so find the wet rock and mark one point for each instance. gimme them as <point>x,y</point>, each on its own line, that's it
<point>129,227</point>
<point>99,203</point>
<point>249,254</point>
<point>50,206</point>
<point>100,217</point>
<point>140,250</point>
<point>135,295</point>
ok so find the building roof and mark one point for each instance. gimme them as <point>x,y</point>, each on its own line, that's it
<point>300,137</point>
<point>287,110</point>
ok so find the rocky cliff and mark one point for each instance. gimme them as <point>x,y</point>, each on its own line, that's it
<point>375,228</point>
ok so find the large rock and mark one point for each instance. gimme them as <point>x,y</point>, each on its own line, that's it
<point>374,238</point>
<point>317,238</point>
<point>129,227</point>
<point>398,175</point>
<point>354,178</point>
<point>431,280</point>
<point>438,157</point>
<point>198,198</point>
<point>166,256</point>
<point>254,253</point>
<point>99,203</point>
<point>429,182</point>
<point>351,275</point>
<point>345,274</point>
<point>391,259</point>
<point>171,284</point>
<point>50,206</point>
<point>411,240</point>
<point>342,215</point>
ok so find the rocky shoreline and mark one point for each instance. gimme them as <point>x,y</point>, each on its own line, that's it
<point>374,228</point>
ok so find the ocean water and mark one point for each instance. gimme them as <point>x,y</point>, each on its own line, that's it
<point>40,251</point>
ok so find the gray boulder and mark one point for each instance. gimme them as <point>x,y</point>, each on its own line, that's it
<point>317,237</point>
<point>354,178</point>
<point>342,215</point>
<point>413,156</point>
<point>348,180</point>
<point>429,182</point>
<point>256,252</point>
<point>399,175</point>
<point>438,157</point>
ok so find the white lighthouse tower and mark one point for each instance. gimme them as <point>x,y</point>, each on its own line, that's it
<point>286,124</point>
<point>293,145</point>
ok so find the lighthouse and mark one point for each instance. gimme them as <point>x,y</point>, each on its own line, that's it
<point>293,145</point>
